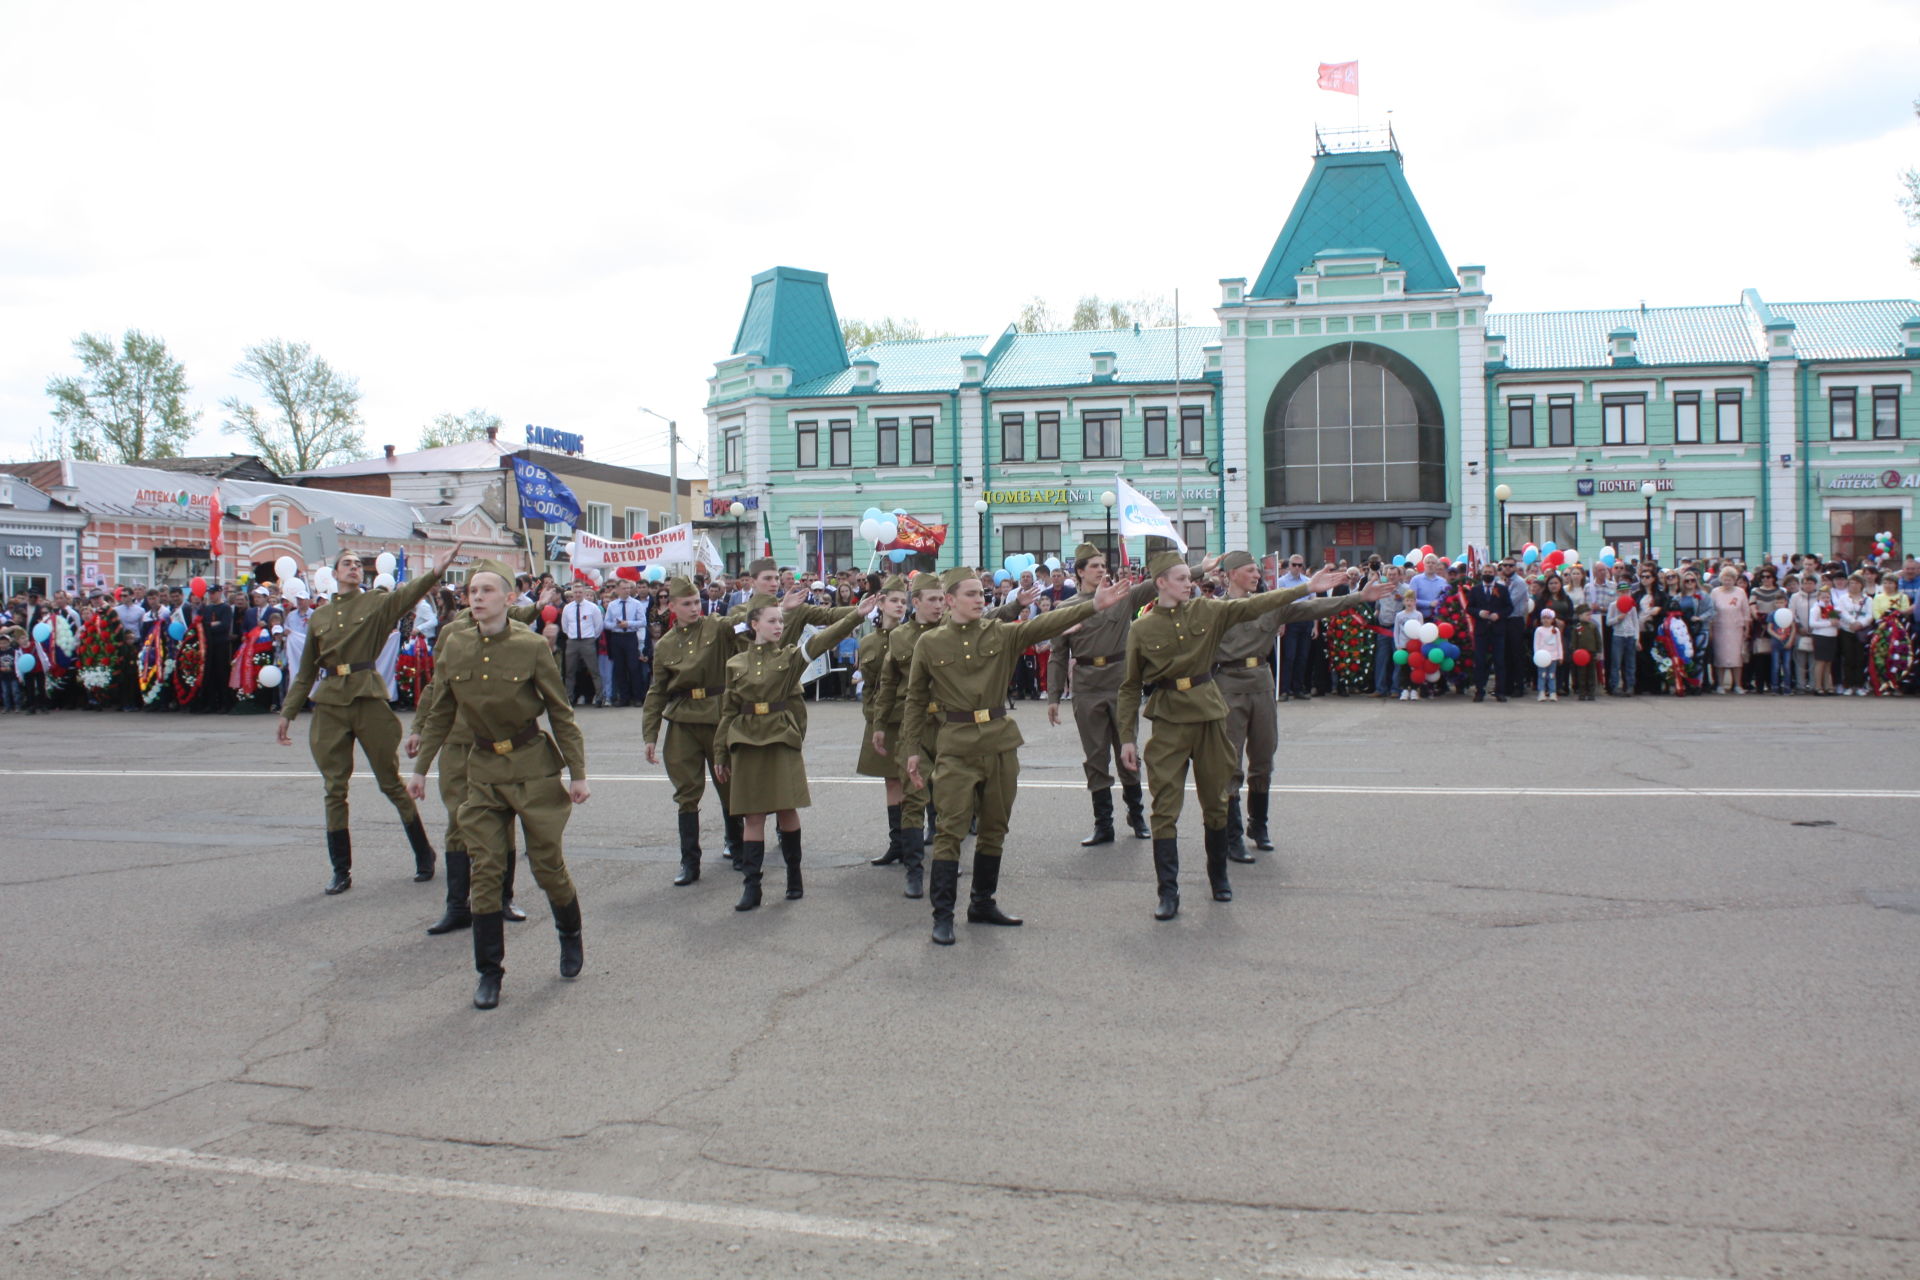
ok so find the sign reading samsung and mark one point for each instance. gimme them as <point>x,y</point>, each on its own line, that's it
<point>548,438</point>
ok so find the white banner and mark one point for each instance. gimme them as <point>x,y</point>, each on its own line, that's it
<point>674,545</point>
<point>1139,517</point>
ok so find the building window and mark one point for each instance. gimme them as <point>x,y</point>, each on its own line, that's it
<point>887,438</point>
<point>1193,430</point>
<point>730,444</point>
<point>840,443</point>
<point>1628,537</point>
<point>1049,429</point>
<point>1623,420</point>
<point>597,519</point>
<point>1709,535</point>
<point>1195,532</point>
<point>1560,527</point>
<point>1013,437</point>
<point>1852,533</point>
<point>1560,422</point>
<point>1726,417</point>
<point>807,437</point>
<point>664,522</point>
<point>1156,420</point>
<point>277,520</point>
<point>1520,422</point>
<point>1037,540</point>
<point>1842,408</point>
<point>636,522</point>
<point>1686,417</point>
<point>923,442</point>
<point>1356,430</point>
<point>1886,413</point>
<point>133,570</point>
<point>839,549</point>
<point>1100,433</point>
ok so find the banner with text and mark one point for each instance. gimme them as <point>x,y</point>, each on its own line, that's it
<point>674,546</point>
<point>543,495</point>
<point>918,536</point>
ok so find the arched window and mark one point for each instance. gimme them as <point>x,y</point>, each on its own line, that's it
<point>1355,423</point>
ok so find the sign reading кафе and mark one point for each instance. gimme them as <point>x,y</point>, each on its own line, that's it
<point>1067,497</point>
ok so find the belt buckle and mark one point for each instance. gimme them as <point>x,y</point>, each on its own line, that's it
<point>1253,662</point>
<point>760,708</point>
<point>697,694</point>
<point>344,669</point>
<point>933,708</point>
<point>503,747</point>
<point>1099,662</point>
<point>1183,683</point>
<point>983,716</point>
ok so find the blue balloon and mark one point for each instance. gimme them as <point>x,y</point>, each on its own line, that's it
<point>24,664</point>
<point>898,554</point>
<point>656,574</point>
<point>1399,562</point>
<point>871,513</point>
<point>1550,548</point>
<point>1529,555</point>
<point>43,632</point>
<point>177,629</point>
<point>1012,564</point>
<point>1001,575</point>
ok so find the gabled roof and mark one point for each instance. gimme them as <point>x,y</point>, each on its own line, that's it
<point>468,455</point>
<point>790,321</point>
<point>1731,334</point>
<point>909,364</point>
<point>1848,330</point>
<point>1057,359</point>
<point>1356,198</point>
<point>240,466</point>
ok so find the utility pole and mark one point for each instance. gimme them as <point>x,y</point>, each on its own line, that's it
<point>673,461</point>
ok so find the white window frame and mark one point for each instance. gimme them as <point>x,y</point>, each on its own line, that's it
<point>276,520</point>
<point>636,522</point>
<point>597,518</point>
<point>1721,400</point>
<point>142,578</point>
<point>1623,420</point>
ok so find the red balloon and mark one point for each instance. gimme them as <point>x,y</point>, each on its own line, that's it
<point>1552,561</point>
<point>199,586</point>
<point>550,614</point>
<point>1427,550</point>
<point>628,571</point>
<point>1624,603</point>
<point>1446,631</point>
<point>1581,657</point>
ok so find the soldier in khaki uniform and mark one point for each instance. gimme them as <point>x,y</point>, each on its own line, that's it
<point>763,726</point>
<point>453,790</point>
<point>344,637</point>
<point>956,699</point>
<point>500,679</point>
<point>689,677</point>
<point>766,591</point>
<point>1246,683</point>
<point>1170,659</point>
<point>874,762</point>
<point>1099,652</point>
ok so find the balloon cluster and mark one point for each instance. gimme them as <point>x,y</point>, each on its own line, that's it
<point>1608,555</point>
<point>1019,564</point>
<point>1430,651</point>
<point>1551,555</point>
<point>878,526</point>
<point>1883,544</point>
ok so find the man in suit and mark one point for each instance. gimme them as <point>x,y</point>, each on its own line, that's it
<point>626,626</point>
<point>1490,606</point>
<point>216,618</point>
<point>1519,601</point>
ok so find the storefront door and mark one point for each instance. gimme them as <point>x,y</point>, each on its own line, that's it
<point>1852,534</point>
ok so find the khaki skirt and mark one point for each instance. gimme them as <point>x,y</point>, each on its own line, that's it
<point>766,780</point>
<point>874,765</point>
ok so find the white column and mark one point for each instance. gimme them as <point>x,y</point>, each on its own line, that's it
<point>1472,524</point>
<point>1783,488</point>
<point>971,462</point>
<point>1233,447</point>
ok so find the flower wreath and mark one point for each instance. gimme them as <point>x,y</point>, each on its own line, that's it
<point>156,667</point>
<point>190,664</point>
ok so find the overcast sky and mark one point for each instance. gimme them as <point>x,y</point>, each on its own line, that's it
<point>552,212</point>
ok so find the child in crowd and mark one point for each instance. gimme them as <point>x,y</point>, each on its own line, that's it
<point>1586,636</point>
<point>1546,640</point>
<point>9,681</point>
<point>1826,641</point>
<point>1784,640</point>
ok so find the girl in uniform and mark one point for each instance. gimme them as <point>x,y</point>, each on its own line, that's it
<point>872,653</point>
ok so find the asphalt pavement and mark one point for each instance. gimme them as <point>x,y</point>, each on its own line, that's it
<point>1622,989</point>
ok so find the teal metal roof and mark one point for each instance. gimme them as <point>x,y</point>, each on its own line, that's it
<point>790,321</point>
<point>918,364</point>
<point>1356,198</point>
<point>1847,330</point>
<point>1066,359</point>
<point>1667,335</point>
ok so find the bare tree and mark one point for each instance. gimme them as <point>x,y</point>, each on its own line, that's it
<point>128,404</point>
<point>862,333</point>
<point>313,412</point>
<point>457,428</point>
<point>1036,316</point>
<point>1910,201</point>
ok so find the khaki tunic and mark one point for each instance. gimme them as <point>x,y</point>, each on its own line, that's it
<point>453,756</point>
<point>763,722</point>
<point>351,706</point>
<point>689,679</point>
<point>499,686</point>
<point>1240,669</point>
<point>962,669</point>
<point>1099,653</point>
<point>1172,652</point>
<point>868,661</point>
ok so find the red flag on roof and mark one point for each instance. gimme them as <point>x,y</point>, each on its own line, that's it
<point>1341,77</point>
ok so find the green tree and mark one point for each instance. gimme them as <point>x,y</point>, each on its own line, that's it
<point>312,416</point>
<point>1036,316</point>
<point>1094,312</point>
<point>127,405</point>
<point>458,428</point>
<point>1910,202</point>
<point>861,333</point>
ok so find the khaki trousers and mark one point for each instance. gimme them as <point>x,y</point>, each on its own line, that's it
<point>331,736</point>
<point>959,781</point>
<point>688,755</point>
<point>1166,757</point>
<point>1253,733</point>
<point>542,806</point>
<point>1096,715</point>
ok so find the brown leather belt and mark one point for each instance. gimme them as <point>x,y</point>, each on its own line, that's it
<point>765,708</point>
<point>1180,684</point>
<point>1237,664</point>
<point>1105,659</point>
<point>700,695</point>
<point>981,716</point>
<point>507,746</point>
<point>348,668</point>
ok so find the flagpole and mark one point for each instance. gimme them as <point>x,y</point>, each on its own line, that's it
<point>1180,427</point>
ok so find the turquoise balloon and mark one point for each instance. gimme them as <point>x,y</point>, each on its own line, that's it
<point>43,632</point>
<point>24,664</point>
<point>1400,658</point>
<point>177,629</point>
<point>1436,655</point>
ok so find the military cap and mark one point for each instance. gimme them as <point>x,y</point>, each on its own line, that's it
<point>491,566</point>
<point>1164,561</point>
<point>952,578</point>
<point>894,583</point>
<point>680,589</point>
<point>1085,551</point>
<point>1234,560</point>
<point>758,567</point>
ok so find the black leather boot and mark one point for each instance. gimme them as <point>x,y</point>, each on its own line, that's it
<point>458,915</point>
<point>513,914</point>
<point>752,854</point>
<point>1217,865</point>
<point>736,838</point>
<point>981,908</point>
<point>566,922</point>
<point>340,854</point>
<point>943,892</point>
<point>913,853</point>
<point>1136,810</point>
<point>790,854</point>
<point>1102,819</point>
<point>689,849</point>
<point>930,828</point>
<point>1257,819</point>
<point>892,855</point>
<point>423,854</point>
<point>1166,869</point>
<point>1236,847</point>
<point>489,957</point>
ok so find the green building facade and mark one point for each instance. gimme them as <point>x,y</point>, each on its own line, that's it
<point>1355,397</point>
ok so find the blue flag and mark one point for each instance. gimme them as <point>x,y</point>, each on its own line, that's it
<point>543,495</point>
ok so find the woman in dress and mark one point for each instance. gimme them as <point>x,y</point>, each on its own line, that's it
<point>1732,616</point>
<point>763,726</point>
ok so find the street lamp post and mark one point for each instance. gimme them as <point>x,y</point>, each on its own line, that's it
<point>1647,488</point>
<point>1107,500</point>
<point>980,512</point>
<point>1501,493</point>
<point>736,509</point>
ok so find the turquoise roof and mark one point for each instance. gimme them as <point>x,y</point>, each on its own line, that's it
<point>1847,330</point>
<point>1060,359</point>
<point>1730,334</point>
<point>916,364</point>
<point>1356,198</point>
<point>790,321</point>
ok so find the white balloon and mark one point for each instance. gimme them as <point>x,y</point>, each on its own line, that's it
<point>1412,627</point>
<point>1783,618</point>
<point>870,530</point>
<point>384,562</point>
<point>1609,551</point>
<point>269,677</point>
<point>1429,632</point>
<point>1570,556</point>
<point>383,582</point>
<point>294,589</point>
<point>1542,659</point>
<point>889,530</point>
<point>286,567</point>
<point>1434,675</point>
